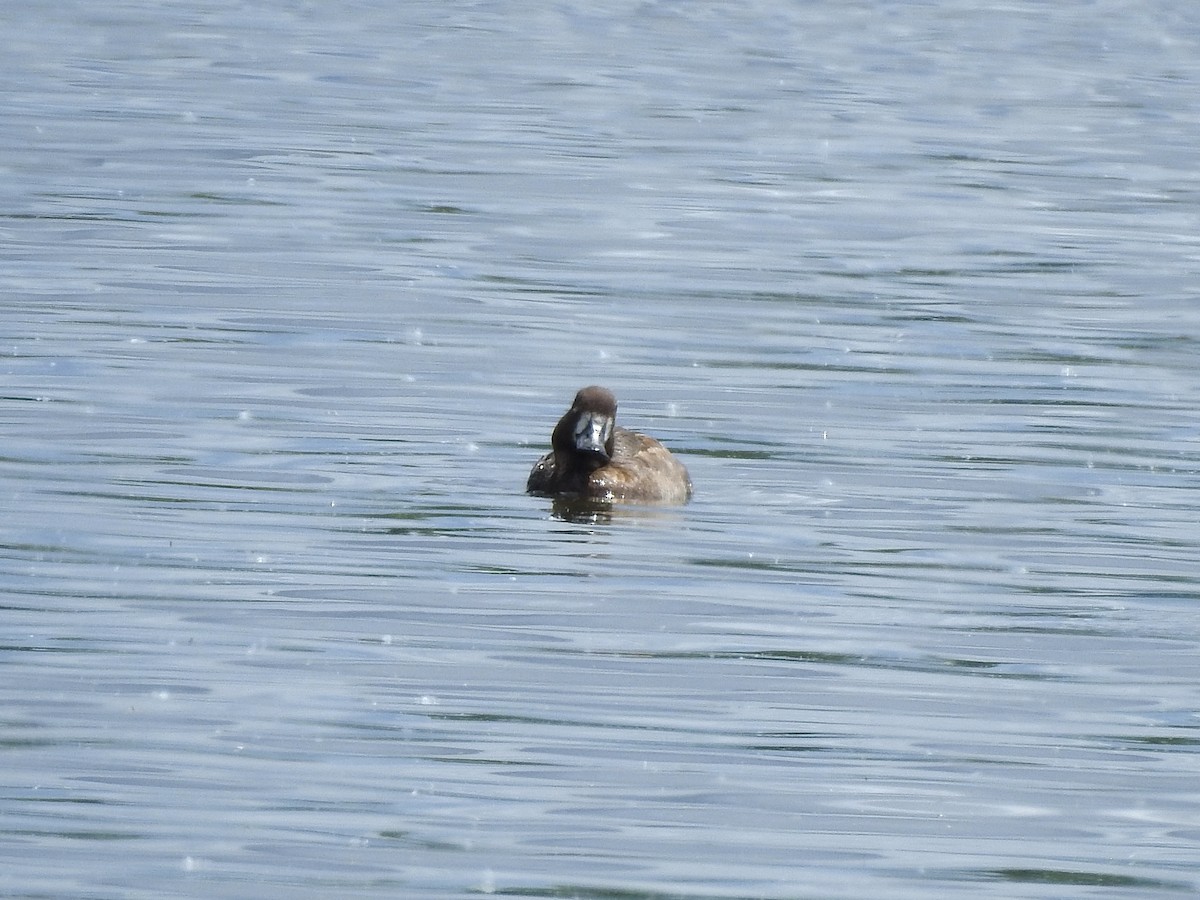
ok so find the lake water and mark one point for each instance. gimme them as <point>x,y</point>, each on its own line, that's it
<point>292,294</point>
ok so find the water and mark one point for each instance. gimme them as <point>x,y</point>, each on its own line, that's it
<point>292,296</point>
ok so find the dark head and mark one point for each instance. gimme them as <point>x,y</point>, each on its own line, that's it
<point>585,433</point>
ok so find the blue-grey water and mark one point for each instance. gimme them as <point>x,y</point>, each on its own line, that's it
<point>291,295</point>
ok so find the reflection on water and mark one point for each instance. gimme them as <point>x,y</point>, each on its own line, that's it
<point>289,296</point>
<point>585,511</point>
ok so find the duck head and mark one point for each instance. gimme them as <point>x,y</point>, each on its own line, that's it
<point>585,433</point>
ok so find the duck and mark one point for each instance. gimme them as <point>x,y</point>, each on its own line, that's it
<point>593,457</point>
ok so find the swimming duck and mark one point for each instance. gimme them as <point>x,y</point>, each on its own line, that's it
<point>593,457</point>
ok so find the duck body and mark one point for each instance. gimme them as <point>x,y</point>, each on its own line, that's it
<point>594,458</point>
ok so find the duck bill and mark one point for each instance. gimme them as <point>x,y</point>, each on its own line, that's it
<point>592,434</point>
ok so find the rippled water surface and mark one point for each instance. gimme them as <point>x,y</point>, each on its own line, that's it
<point>292,295</point>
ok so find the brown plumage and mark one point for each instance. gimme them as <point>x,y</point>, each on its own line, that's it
<point>593,457</point>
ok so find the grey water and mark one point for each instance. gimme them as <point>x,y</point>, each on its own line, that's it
<point>291,295</point>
